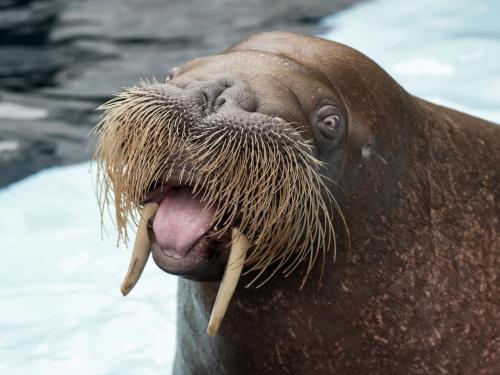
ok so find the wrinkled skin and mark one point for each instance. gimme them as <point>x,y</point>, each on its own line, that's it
<point>417,293</point>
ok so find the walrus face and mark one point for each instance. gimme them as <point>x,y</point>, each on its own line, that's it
<point>238,140</point>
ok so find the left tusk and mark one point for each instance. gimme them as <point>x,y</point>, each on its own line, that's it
<point>142,248</point>
<point>229,281</point>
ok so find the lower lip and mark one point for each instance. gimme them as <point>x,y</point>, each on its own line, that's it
<point>205,260</point>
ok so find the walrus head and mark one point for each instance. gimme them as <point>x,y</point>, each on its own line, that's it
<point>224,144</point>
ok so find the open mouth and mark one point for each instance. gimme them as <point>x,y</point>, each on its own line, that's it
<point>183,238</point>
<point>253,175</point>
<point>177,228</point>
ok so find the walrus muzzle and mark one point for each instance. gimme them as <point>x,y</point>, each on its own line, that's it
<point>196,180</point>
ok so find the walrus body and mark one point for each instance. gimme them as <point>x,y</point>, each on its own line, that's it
<point>414,288</point>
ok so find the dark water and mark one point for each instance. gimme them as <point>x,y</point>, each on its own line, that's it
<point>63,58</point>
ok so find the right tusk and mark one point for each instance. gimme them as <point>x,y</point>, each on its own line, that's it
<point>229,281</point>
<point>142,248</point>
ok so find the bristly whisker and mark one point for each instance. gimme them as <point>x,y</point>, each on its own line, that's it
<point>261,174</point>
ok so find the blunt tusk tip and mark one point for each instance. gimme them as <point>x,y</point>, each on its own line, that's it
<point>229,281</point>
<point>141,251</point>
<point>211,331</point>
<point>125,291</point>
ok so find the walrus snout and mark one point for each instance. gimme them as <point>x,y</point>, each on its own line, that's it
<point>236,162</point>
<point>213,94</point>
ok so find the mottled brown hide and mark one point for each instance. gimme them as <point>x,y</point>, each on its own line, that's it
<point>414,288</point>
<point>418,291</point>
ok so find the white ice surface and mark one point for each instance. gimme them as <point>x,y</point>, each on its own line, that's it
<point>60,307</point>
<point>446,51</point>
<point>61,311</point>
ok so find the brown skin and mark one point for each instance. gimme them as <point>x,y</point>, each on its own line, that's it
<point>417,293</point>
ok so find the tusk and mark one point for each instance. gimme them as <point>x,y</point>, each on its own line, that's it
<point>142,248</point>
<point>230,278</point>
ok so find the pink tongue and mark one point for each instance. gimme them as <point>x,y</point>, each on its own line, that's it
<point>180,221</point>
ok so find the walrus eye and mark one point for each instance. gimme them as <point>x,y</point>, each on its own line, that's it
<point>329,121</point>
<point>332,122</point>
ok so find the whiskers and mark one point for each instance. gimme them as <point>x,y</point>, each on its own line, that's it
<point>259,173</point>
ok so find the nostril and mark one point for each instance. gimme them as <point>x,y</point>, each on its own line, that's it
<point>205,100</point>
<point>219,102</point>
<point>213,98</point>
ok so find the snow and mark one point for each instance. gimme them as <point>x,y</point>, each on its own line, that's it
<point>60,307</point>
<point>446,51</point>
<point>61,310</point>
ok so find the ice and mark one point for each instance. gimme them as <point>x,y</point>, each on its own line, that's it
<point>446,51</point>
<point>61,311</point>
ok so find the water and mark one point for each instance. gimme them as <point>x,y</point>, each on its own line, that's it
<point>60,307</point>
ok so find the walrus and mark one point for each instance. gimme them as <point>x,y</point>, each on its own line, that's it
<point>364,221</point>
